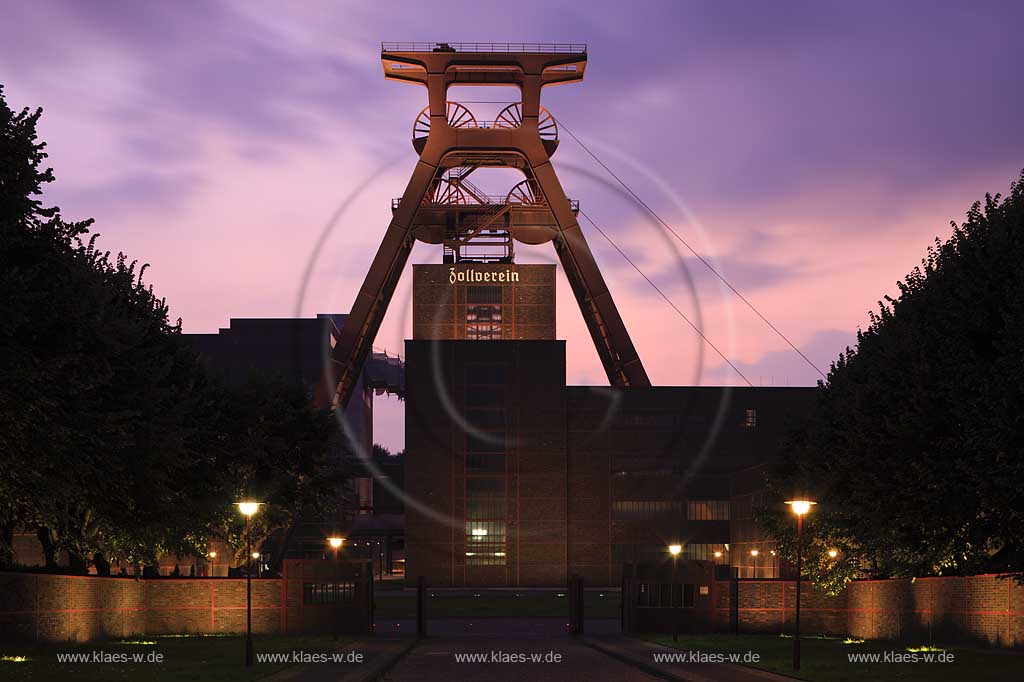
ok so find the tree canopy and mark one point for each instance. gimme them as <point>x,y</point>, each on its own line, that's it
<point>914,451</point>
<point>115,441</point>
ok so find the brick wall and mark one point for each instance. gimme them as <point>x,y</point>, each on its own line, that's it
<point>983,608</point>
<point>82,608</point>
<point>980,608</point>
<point>770,606</point>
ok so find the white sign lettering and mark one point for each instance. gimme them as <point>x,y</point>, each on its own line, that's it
<point>470,276</point>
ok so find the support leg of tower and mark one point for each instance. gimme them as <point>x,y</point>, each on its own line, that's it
<point>378,287</point>
<point>614,346</point>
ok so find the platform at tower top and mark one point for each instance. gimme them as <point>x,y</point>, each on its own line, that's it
<point>483,48</point>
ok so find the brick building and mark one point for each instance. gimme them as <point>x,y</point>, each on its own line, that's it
<point>519,479</point>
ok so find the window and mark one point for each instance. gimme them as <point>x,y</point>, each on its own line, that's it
<point>483,313</point>
<point>485,441</point>
<point>491,295</point>
<point>328,593</point>
<point>485,463</point>
<point>485,484</point>
<point>486,420</point>
<point>706,552</point>
<point>485,396</point>
<point>665,595</point>
<point>646,509</point>
<point>750,419</point>
<point>485,543</point>
<point>707,510</point>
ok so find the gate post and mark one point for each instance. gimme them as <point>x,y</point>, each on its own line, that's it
<point>575,589</point>
<point>421,620</point>
<point>734,606</point>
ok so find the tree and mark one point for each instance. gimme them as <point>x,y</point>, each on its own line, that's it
<point>914,446</point>
<point>115,442</point>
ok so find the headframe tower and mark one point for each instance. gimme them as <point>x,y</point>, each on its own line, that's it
<point>441,205</point>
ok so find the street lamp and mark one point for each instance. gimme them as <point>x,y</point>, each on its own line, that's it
<point>248,509</point>
<point>754,554</point>
<point>674,550</point>
<point>799,507</point>
<point>335,541</point>
<point>213,563</point>
<point>832,553</point>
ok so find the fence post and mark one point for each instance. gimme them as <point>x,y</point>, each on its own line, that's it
<point>734,606</point>
<point>421,594</point>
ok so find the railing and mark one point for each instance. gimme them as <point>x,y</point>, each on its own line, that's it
<point>543,48</point>
<point>574,204</point>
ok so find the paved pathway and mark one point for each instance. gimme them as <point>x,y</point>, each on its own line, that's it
<point>641,654</point>
<point>434,660</point>
<point>379,653</point>
<point>496,627</point>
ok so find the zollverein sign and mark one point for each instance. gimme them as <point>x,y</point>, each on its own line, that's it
<point>469,276</point>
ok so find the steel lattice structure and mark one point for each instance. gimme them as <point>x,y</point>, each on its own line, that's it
<point>442,206</point>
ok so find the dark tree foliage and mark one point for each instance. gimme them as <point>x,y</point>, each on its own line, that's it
<point>916,448</point>
<point>114,443</point>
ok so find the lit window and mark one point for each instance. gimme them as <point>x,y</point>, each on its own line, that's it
<point>483,313</point>
<point>707,510</point>
<point>646,509</point>
<point>750,419</point>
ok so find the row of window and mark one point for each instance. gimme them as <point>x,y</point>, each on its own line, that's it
<point>664,595</point>
<point>486,444</point>
<point>646,509</point>
<point>707,510</point>
<point>328,593</point>
<point>696,510</point>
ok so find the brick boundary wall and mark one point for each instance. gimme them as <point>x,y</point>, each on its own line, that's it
<point>81,608</point>
<point>979,609</point>
<point>770,606</point>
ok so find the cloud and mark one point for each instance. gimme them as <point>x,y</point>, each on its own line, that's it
<point>811,150</point>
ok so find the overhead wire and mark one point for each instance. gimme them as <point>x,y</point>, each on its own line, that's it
<point>699,257</point>
<point>667,299</point>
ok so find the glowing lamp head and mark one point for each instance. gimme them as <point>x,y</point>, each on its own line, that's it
<point>674,550</point>
<point>754,552</point>
<point>335,542</point>
<point>255,555</point>
<point>248,508</point>
<point>718,555</point>
<point>800,507</point>
<point>833,553</point>
<point>212,554</point>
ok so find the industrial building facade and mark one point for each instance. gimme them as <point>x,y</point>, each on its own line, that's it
<point>522,480</point>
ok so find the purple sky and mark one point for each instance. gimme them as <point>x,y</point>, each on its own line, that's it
<point>811,150</point>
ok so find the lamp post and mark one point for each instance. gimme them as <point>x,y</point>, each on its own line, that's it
<point>674,550</point>
<point>335,541</point>
<point>754,554</point>
<point>213,563</point>
<point>248,509</point>
<point>799,507</point>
